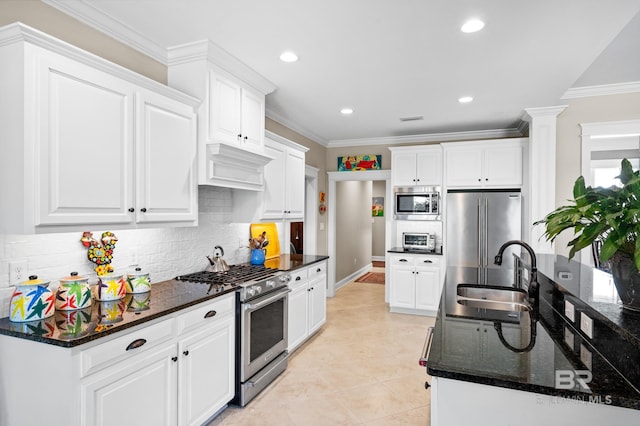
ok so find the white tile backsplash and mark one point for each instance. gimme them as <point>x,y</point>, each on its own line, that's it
<point>164,253</point>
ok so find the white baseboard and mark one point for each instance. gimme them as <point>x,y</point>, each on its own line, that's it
<point>353,276</point>
<point>378,258</point>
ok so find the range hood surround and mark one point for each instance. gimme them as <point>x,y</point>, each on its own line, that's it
<point>233,167</point>
<point>220,162</point>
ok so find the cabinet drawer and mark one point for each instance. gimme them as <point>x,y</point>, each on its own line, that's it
<point>427,261</point>
<point>298,277</point>
<point>206,312</point>
<point>402,260</point>
<point>124,347</point>
<point>317,270</point>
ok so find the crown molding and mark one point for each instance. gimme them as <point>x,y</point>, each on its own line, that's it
<point>430,137</point>
<point>86,13</point>
<point>606,89</point>
<point>295,127</point>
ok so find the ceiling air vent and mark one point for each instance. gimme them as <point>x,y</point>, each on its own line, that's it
<point>414,118</point>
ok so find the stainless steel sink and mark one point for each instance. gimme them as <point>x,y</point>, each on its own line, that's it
<point>493,297</point>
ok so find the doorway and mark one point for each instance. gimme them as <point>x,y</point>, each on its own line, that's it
<point>296,232</point>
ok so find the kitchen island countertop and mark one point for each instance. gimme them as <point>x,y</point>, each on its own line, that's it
<point>471,344</point>
<point>74,328</point>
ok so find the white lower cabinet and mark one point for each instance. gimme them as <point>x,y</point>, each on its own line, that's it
<point>177,371</point>
<point>307,303</point>
<point>415,283</point>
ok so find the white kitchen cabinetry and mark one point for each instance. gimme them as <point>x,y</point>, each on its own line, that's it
<point>307,303</point>
<point>411,166</point>
<point>178,370</point>
<point>415,283</point>
<point>92,144</point>
<point>231,119</point>
<point>484,164</point>
<point>283,196</point>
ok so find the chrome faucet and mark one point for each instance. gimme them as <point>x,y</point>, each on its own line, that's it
<point>533,282</point>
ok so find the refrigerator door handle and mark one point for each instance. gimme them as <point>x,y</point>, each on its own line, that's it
<point>479,234</point>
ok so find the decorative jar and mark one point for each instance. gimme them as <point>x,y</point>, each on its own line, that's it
<point>73,293</point>
<point>257,256</point>
<point>138,282</point>
<point>32,300</point>
<point>111,287</point>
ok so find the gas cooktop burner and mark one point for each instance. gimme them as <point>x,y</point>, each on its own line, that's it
<point>236,275</point>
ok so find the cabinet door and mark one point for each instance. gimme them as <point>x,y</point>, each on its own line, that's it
<point>402,291</point>
<point>317,303</point>
<point>84,166</point>
<point>429,168</point>
<point>166,189</point>
<point>294,184</point>
<point>503,166</point>
<point>206,371</point>
<point>427,287</point>
<point>141,391</point>
<point>225,99</point>
<point>463,167</point>
<point>252,119</point>
<point>403,169</point>
<point>298,316</point>
<point>273,197</point>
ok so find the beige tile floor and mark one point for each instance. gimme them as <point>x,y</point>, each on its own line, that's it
<point>361,368</point>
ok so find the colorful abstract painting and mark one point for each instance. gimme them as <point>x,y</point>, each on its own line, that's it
<point>377,207</point>
<point>356,163</point>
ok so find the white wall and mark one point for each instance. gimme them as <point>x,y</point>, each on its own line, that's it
<point>164,253</point>
<point>378,223</point>
<point>353,227</point>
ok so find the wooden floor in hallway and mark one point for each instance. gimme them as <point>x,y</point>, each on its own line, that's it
<point>361,368</point>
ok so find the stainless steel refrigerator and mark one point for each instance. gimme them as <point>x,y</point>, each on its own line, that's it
<point>478,223</point>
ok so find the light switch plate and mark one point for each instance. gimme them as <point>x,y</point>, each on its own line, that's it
<point>586,325</point>
<point>569,310</point>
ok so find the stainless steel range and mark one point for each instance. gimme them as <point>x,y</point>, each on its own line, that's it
<point>261,323</point>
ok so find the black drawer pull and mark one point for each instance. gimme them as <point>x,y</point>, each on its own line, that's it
<point>185,353</point>
<point>210,314</point>
<point>318,270</point>
<point>403,260</point>
<point>298,278</point>
<point>136,344</point>
<point>428,261</point>
<point>174,358</point>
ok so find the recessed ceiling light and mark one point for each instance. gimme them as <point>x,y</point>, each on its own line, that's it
<point>465,99</point>
<point>472,25</point>
<point>288,56</point>
<point>346,111</point>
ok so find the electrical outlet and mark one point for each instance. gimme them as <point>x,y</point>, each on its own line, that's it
<point>355,261</point>
<point>569,311</point>
<point>586,325</point>
<point>17,271</point>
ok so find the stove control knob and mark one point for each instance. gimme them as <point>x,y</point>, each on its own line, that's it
<point>257,289</point>
<point>270,284</point>
<point>251,292</point>
<point>284,278</point>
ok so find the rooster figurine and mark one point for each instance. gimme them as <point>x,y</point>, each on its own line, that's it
<point>100,252</point>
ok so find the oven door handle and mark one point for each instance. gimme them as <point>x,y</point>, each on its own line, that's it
<point>279,295</point>
<point>426,348</point>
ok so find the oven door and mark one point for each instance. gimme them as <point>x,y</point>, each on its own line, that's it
<point>264,331</point>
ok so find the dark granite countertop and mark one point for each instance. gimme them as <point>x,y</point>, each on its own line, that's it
<point>466,344</point>
<point>437,251</point>
<point>73,328</point>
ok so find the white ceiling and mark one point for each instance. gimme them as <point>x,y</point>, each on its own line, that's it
<point>390,59</point>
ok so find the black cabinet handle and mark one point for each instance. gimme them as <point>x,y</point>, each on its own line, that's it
<point>318,270</point>
<point>246,137</point>
<point>479,179</point>
<point>428,261</point>
<point>427,385</point>
<point>210,314</point>
<point>143,210</point>
<point>131,210</point>
<point>403,260</point>
<point>239,135</point>
<point>185,353</point>
<point>136,344</point>
<point>174,358</point>
<point>298,278</point>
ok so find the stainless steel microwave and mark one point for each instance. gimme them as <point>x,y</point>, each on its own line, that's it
<point>417,202</point>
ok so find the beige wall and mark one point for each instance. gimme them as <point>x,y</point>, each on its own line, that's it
<point>378,226</point>
<point>51,21</point>
<point>568,148</point>
<point>353,227</point>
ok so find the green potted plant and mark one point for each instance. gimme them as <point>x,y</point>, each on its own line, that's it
<point>611,215</point>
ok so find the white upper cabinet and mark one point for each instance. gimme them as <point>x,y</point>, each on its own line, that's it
<point>484,164</point>
<point>232,115</point>
<point>411,166</point>
<point>88,142</point>
<point>283,196</point>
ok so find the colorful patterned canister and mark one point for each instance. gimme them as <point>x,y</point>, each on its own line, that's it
<point>73,323</point>
<point>73,293</point>
<point>111,287</point>
<point>138,282</point>
<point>32,300</point>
